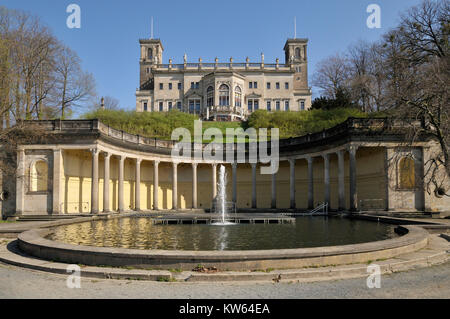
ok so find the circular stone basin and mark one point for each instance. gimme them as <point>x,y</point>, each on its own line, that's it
<point>141,233</point>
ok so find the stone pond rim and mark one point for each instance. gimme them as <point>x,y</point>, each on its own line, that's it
<point>32,242</point>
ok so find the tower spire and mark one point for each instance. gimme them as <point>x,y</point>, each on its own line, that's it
<point>151,29</point>
<point>295,27</point>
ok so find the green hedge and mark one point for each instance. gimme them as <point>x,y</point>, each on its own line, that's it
<point>293,124</point>
<point>160,125</point>
<point>156,124</point>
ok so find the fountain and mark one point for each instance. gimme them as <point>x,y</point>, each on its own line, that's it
<point>245,246</point>
<point>222,197</point>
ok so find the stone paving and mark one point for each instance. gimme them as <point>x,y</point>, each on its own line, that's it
<point>437,251</point>
<point>430,282</point>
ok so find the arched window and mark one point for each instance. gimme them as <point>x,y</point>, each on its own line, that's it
<point>237,96</point>
<point>39,176</point>
<point>297,52</point>
<point>406,173</point>
<point>224,95</point>
<point>150,54</point>
<point>210,96</point>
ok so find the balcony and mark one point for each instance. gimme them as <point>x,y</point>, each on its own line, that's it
<point>228,113</point>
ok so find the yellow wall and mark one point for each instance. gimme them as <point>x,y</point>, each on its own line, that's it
<point>77,182</point>
<point>76,185</point>
<point>371,178</point>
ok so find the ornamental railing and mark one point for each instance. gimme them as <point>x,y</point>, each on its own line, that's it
<point>374,126</point>
<point>221,65</point>
<point>227,110</point>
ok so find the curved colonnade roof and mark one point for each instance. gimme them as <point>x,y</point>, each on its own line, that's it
<point>353,130</point>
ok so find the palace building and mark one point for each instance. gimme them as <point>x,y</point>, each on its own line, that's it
<point>223,91</point>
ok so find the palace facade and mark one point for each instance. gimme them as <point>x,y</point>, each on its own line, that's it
<point>223,91</point>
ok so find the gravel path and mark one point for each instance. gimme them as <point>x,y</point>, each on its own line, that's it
<point>432,282</point>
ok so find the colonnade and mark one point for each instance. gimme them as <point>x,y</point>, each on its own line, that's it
<point>292,162</point>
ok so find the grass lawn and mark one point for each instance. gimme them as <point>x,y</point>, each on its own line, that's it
<point>160,125</point>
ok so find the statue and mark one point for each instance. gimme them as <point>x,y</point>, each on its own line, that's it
<point>185,58</point>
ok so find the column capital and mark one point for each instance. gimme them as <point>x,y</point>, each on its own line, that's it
<point>122,158</point>
<point>253,164</point>
<point>234,164</point>
<point>107,154</point>
<point>352,148</point>
<point>310,159</point>
<point>94,151</point>
<point>291,161</point>
<point>175,164</point>
<point>156,162</point>
<point>138,161</point>
<point>326,156</point>
<point>194,164</point>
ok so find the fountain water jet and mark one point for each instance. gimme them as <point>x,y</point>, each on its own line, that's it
<point>222,196</point>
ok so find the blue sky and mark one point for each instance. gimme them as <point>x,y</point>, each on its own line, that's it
<point>108,39</point>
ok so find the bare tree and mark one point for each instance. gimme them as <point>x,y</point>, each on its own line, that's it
<point>5,80</point>
<point>424,34</point>
<point>106,103</point>
<point>111,103</point>
<point>416,60</point>
<point>366,75</point>
<point>41,78</point>
<point>34,48</point>
<point>73,86</point>
<point>7,74</point>
<point>424,30</point>
<point>332,74</point>
<point>406,74</point>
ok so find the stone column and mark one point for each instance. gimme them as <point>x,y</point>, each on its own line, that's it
<point>388,154</point>
<point>274,191</point>
<point>94,182</point>
<point>106,205</point>
<point>326,165</point>
<point>292,182</point>
<point>137,185</point>
<point>253,185</point>
<point>56,185</point>
<point>174,185</point>
<point>121,177</point>
<point>20,183</point>
<point>341,181</point>
<point>310,183</point>
<point>214,180</point>
<point>234,169</point>
<point>194,185</point>
<point>155,185</point>
<point>353,191</point>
